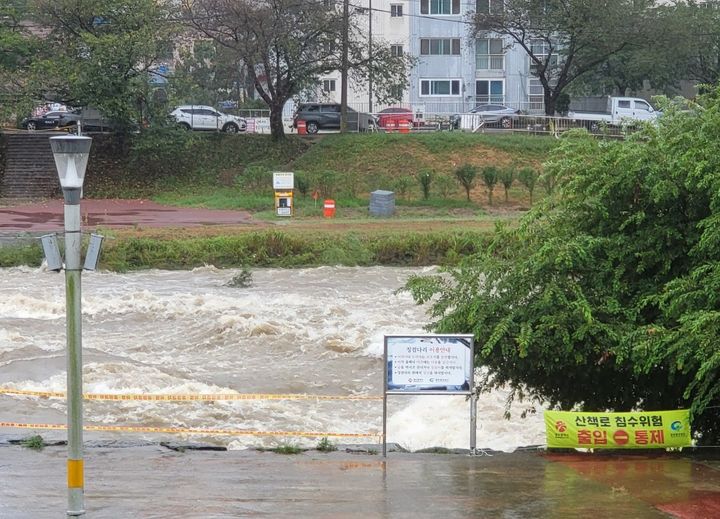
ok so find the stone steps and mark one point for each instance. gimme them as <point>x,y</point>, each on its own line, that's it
<point>29,168</point>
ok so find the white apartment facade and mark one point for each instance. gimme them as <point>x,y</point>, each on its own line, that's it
<point>454,71</point>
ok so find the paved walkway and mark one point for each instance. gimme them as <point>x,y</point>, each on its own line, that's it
<point>48,216</point>
<point>150,481</point>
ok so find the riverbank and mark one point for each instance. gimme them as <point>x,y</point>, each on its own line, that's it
<point>151,481</point>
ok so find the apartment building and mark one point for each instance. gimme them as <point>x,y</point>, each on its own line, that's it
<point>455,71</point>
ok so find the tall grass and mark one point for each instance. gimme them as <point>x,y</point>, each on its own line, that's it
<point>275,249</point>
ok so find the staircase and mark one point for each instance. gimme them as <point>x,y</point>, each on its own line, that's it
<point>29,169</point>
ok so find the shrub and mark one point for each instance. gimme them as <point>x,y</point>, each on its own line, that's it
<point>402,185</point>
<point>446,185</point>
<point>490,175</point>
<point>466,175</point>
<point>528,177</point>
<point>425,177</point>
<point>507,177</point>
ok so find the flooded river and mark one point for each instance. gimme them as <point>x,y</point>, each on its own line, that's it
<point>315,331</point>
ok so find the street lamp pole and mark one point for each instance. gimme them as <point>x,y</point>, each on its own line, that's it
<point>71,156</point>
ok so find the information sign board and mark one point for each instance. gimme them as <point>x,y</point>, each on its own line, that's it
<point>438,363</point>
<point>283,180</point>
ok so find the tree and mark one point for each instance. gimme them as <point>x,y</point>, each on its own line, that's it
<point>466,175</point>
<point>490,177</point>
<point>17,51</point>
<point>678,41</point>
<point>605,297</point>
<point>426,177</point>
<point>287,45</point>
<point>564,39</point>
<point>528,177</point>
<point>207,74</point>
<point>101,53</point>
<point>507,177</point>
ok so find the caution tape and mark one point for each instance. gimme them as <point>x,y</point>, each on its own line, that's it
<point>192,430</point>
<point>205,397</point>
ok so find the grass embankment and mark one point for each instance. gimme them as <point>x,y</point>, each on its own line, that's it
<point>220,171</point>
<point>272,248</point>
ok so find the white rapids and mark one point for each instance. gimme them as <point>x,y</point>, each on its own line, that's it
<point>314,331</point>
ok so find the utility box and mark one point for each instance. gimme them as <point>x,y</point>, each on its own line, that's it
<point>284,184</point>
<point>382,203</point>
<point>284,203</point>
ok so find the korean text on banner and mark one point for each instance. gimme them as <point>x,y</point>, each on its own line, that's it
<point>646,430</point>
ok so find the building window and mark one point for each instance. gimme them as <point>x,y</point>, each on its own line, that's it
<point>440,87</point>
<point>541,50</point>
<point>490,91</point>
<point>489,6</point>
<point>328,85</point>
<point>439,6</point>
<point>396,50</point>
<point>397,92</point>
<point>396,10</point>
<point>489,54</point>
<point>439,46</point>
<point>536,95</point>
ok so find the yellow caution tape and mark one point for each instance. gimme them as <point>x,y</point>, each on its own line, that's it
<point>204,397</point>
<point>181,430</point>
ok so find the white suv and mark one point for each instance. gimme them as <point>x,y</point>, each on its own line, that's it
<point>199,117</point>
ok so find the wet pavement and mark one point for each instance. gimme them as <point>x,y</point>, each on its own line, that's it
<point>150,481</point>
<point>48,215</point>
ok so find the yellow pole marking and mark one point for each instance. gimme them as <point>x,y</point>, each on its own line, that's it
<point>205,397</point>
<point>75,473</point>
<point>191,430</point>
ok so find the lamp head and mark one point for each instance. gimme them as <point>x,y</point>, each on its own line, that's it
<point>71,154</point>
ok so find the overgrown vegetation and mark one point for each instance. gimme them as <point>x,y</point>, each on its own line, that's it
<point>606,296</point>
<point>287,448</point>
<point>325,445</point>
<point>36,442</point>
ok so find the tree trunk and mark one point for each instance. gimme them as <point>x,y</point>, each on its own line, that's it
<point>549,99</point>
<point>276,123</point>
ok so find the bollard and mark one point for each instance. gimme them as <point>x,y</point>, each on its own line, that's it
<point>329,209</point>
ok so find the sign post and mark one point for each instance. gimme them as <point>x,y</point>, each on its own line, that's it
<point>429,365</point>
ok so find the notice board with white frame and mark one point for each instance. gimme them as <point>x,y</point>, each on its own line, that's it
<point>433,364</point>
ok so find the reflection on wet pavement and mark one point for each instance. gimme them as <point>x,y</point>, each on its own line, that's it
<point>152,482</point>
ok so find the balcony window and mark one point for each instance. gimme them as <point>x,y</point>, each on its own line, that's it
<point>490,91</point>
<point>489,54</point>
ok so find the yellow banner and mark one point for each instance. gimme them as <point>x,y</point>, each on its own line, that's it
<point>651,430</point>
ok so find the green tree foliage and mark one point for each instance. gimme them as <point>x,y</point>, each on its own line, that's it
<point>207,74</point>
<point>17,51</point>
<point>467,175</point>
<point>679,41</point>
<point>425,177</point>
<point>563,39</point>
<point>490,177</point>
<point>101,53</point>
<point>527,176</point>
<point>287,46</point>
<point>507,177</point>
<point>607,296</point>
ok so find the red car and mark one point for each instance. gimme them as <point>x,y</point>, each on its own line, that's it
<point>393,117</point>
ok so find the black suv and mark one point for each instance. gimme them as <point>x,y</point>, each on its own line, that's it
<point>326,116</point>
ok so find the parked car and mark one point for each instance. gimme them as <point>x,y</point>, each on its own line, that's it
<point>53,119</point>
<point>199,117</point>
<point>395,115</point>
<point>489,114</point>
<point>326,116</point>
